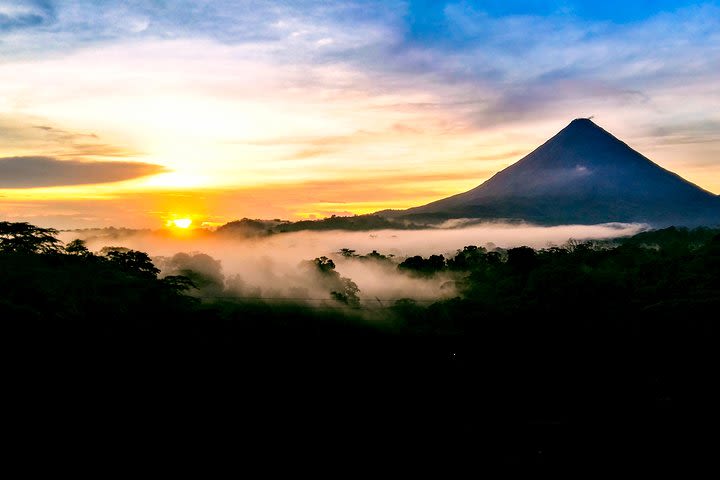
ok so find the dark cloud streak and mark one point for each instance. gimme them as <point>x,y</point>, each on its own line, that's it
<point>31,172</point>
<point>64,134</point>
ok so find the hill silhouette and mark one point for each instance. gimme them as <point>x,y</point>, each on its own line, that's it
<point>584,175</point>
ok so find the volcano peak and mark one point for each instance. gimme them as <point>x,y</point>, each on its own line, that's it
<point>583,174</point>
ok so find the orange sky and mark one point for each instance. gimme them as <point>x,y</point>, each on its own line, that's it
<point>313,119</point>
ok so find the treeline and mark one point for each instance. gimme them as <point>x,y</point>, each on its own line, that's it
<point>42,280</point>
<point>672,272</point>
<point>590,335</point>
<point>247,227</point>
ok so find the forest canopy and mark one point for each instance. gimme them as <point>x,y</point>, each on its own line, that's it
<point>601,332</point>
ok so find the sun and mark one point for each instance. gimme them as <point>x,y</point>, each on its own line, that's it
<point>182,222</point>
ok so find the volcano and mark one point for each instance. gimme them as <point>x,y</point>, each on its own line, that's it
<point>582,175</point>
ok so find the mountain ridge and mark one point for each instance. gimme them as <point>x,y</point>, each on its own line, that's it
<point>583,174</point>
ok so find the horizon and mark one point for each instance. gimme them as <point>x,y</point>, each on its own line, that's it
<point>191,115</point>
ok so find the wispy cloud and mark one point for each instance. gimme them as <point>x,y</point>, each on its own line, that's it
<point>687,132</point>
<point>28,136</point>
<point>19,14</point>
<point>493,64</point>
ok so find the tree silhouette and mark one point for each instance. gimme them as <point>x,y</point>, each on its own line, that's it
<point>135,262</point>
<point>521,259</point>
<point>418,265</point>
<point>347,252</point>
<point>77,247</point>
<point>469,257</point>
<point>204,271</point>
<point>178,283</point>
<point>348,292</point>
<point>22,237</point>
<point>341,289</point>
<point>324,265</point>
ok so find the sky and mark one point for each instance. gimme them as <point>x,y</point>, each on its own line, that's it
<point>134,113</point>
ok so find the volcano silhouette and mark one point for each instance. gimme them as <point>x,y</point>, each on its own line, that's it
<point>581,175</point>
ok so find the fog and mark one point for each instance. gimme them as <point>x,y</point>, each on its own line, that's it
<point>272,267</point>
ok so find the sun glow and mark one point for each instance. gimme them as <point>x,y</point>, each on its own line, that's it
<point>181,223</point>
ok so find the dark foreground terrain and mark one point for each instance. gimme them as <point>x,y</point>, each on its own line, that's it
<point>590,354</point>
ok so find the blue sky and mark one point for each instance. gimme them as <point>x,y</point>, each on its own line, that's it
<point>421,99</point>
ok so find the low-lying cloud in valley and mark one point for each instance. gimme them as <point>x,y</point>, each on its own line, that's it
<point>274,267</point>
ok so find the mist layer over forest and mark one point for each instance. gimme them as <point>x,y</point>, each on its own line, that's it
<point>275,266</point>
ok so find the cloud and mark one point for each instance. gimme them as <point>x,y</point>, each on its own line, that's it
<point>491,63</point>
<point>334,77</point>
<point>30,172</point>
<point>30,136</point>
<point>311,153</point>
<point>56,26</point>
<point>683,132</point>
<point>16,14</point>
<point>64,135</point>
